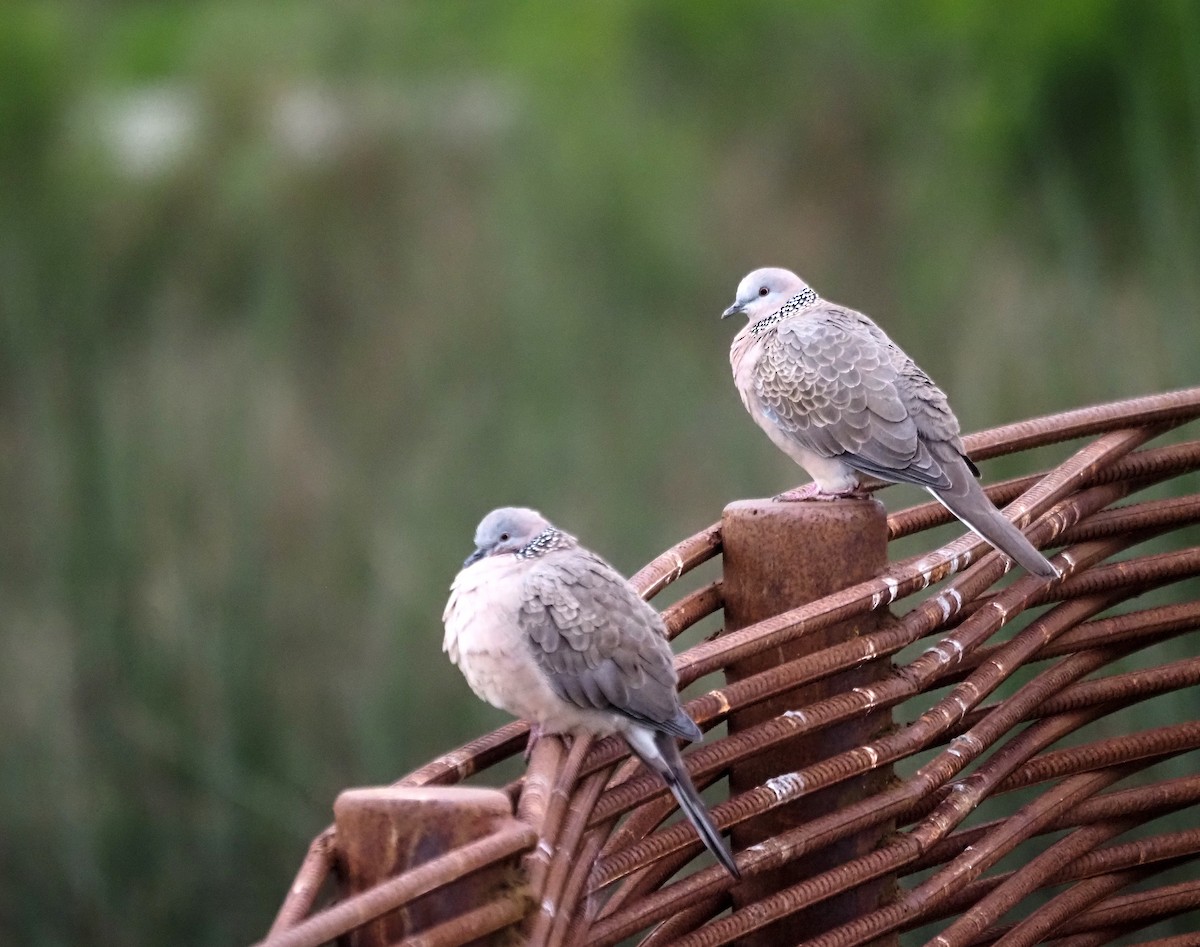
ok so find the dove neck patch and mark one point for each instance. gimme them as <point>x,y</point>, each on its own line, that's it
<point>543,542</point>
<point>801,301</point>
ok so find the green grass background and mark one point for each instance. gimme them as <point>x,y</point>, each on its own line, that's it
<point>292,293</point>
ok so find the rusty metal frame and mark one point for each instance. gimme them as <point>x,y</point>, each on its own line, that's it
<point>601,866</point>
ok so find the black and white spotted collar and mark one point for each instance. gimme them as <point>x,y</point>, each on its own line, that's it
<point>802,300</point>
<point>545,541</point>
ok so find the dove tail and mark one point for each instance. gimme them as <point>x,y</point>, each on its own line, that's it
<point>973,507</point>
<point>659,751</point>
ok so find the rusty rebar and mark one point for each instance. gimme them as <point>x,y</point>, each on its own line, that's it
<point>694,606</point>
<point>309,879</point>
<point>677,561</point>
<point>1114,751</point>
<point>1061,908</point>
<point>1136,630</point>
<point>473,923</point>
<point>549,911</point>
<point>1134,805</point>
<point>1161,848</point>
<point>1095,938</point>
<point>1171,408</point>
<point>1138,909</point>
<point>1149,465</point>
<point>570,923</point>
<point>714,756</point>
<point>686,921</point>
<point>896,583</point>
<point>1034,874</point>
<point>389,895</point>
<point>543,805</point>
<point>972,862</point>
<point>1002,772</point>
<point>902,684</point>
<point>471,758</point>
<point>537,789</point>
<point>1179,940</point>
<point>584,847</point>
<point>1118,688</point>
<point>1153,800</point>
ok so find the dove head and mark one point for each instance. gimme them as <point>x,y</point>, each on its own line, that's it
<point>765,291</point>
<point>509,529</point>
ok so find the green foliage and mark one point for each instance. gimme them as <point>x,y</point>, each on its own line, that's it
<point>291,294</point>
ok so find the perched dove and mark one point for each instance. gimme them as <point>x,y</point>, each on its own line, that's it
<point>550,632</point>
<point>840,398</point>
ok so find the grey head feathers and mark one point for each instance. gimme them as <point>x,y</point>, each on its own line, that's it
<point>517,530</point>
<point>767,290</point>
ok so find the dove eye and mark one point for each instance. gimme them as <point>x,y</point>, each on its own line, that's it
<point>504,537</point>
<point>762,291</point>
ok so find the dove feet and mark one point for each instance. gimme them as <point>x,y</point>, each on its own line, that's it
<point>535,734</point>
<point>810,491</point>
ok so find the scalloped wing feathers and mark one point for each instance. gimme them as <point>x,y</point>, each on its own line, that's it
<point>832,380</point>
<point>601,646</point>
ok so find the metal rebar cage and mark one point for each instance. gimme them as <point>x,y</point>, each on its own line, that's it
<point>935,744</point>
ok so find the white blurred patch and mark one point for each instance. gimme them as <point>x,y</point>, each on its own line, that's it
<point>150,130</point>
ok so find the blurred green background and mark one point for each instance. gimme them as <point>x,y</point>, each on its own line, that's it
<point>292,293</point>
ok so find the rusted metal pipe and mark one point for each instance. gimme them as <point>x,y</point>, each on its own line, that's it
<point>386,832</point>
<point>314,871</point>
<point>778,556</point>
<point>388,895</point>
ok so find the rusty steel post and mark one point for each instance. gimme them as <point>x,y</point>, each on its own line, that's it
<point>384,831</point>
<point>778,556</point>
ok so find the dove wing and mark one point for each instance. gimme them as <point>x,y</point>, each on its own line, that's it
<point>835,383</point>
<point>599,644</point>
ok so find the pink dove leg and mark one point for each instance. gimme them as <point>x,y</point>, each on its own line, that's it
<point>811,491</point>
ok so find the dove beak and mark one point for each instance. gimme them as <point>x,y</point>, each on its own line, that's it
<point>474,557</point>
<point>733,310</point>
